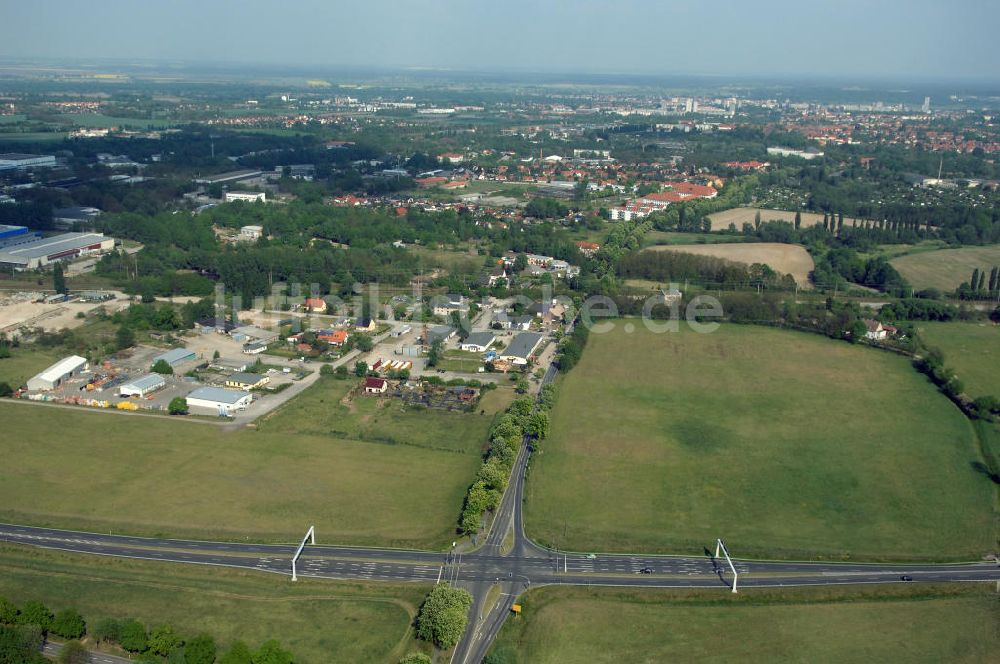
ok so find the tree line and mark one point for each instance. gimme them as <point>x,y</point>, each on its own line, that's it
<point>23,631</point>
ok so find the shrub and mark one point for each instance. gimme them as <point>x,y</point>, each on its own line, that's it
<point>133,636</point>
<point>69,624</point>
<point>107,630</point>
<point>35,613</point>
<point>8,612</point>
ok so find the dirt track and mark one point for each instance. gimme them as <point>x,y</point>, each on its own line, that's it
<point>790,259</point>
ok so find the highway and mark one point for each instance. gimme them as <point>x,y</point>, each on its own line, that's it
<point>507,558</point>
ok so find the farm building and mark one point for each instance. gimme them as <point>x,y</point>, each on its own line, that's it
<point>478,342</point>
<point>62,370</point>
<point>220,400</point>
<point>175,356</point>
<point>247,381</point>
<point>140,387</point>
<point>521,348</point>
<point>376,385</point>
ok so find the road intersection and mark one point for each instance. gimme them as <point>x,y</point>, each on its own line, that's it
<point>507,558</point>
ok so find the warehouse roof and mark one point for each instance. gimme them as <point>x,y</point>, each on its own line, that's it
<point>246,378</point>
<point>522,345</point>
<point>174,355</point>
<point>62,367</point>
<point>147,382</point>
<point>218,394</point>
<point>51,245</point>
<point>480,338</point>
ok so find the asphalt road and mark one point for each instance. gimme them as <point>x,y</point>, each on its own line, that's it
<point>507,558</point>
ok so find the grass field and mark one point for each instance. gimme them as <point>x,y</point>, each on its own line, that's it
<point>319,621</point>
<point>654,238</point>
<point>25,362</point>
<point>362,473</point>
<point>790,259</point>
<point>971,349</point>
<point>576,625</point>
<point>948,268</point>
<point>786,444</point>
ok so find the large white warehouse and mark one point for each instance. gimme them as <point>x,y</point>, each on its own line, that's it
<point>55,375</point>
<point>222,401</point>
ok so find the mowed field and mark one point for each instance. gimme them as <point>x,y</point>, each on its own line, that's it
<point>318,621</point>
<point>948,268</point>
<point>790,259</point>
<point>785,444</point>
<point>576,625</point>
<point>361,473</point>
<point>971,349</point>
<point>747,215</point>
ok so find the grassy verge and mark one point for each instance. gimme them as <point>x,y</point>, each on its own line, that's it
<point>911,624</point>
<point>319,621</point>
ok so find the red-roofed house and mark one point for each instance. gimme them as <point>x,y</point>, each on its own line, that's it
<point>587,248</point>
<point>316,305</point>
<point>376,385</point>
<point>333,337</point>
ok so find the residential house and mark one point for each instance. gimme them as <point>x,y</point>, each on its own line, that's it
<point>376,385</point>
<point>878,331</point>
<point>520,349</point>
<point>316,305</point>
<point>365,324</point>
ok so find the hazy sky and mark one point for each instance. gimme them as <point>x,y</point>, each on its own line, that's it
<point>871,38</point>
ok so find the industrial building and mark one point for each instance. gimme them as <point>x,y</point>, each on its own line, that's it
<point>247,381</point>
<point>140,387</point>
<point>222,401</point>
<point>231,176</point>
<point>12,233</point>
<point>175,356</point>
<point>250,333</point>
<point>58,373</point>
<point>19,161</point>
<point>40,252</point>
<point>246,196</point>
<point>521,348</point>
<point>478,342</point>
<point>72,217</point>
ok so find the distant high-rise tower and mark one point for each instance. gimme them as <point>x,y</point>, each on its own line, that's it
<point>689,105</point>
<point>926,108</point>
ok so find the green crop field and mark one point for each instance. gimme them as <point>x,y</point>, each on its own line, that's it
<point>361,473</point>
<point>785,444</point>
<point>971,349</point>
<point>929,624</point>
<point>948,268</point>
<point>318,621</point>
